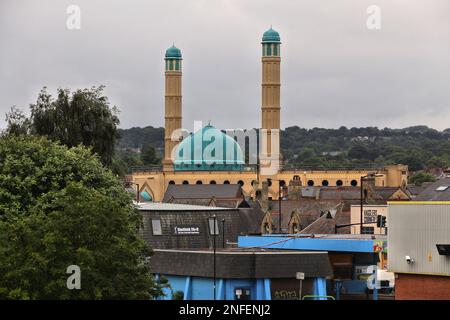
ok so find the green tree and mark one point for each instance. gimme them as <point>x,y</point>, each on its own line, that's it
<point>437,162</point>
<point>58,207</point>
<point>81,117</point>
<point>421,177</point>
<point>149,156</point>
<point>17,122</point>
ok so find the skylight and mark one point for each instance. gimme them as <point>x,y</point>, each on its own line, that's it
<point>442,188</point>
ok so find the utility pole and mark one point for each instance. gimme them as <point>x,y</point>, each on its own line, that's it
<point>214,254</point>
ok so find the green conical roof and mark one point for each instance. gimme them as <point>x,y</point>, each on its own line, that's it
<point>173,53</point>
<point>271,36</point>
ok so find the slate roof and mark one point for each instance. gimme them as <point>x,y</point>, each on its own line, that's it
<point>431,194</point>
<point>224,203</point>
<point>241,264</point>
<point>203,191</point>
<point>354,193</point>
<point>158,206</point>
<point>309,211</point>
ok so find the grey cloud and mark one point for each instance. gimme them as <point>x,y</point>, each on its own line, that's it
<point>334,71</point>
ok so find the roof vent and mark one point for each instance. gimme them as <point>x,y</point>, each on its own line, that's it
<point>442,188</point>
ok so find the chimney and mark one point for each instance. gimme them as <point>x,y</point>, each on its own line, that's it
<point>262,195</point>
<point>294,189</point>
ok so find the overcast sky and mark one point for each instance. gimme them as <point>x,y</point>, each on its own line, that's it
<point>335,71</point>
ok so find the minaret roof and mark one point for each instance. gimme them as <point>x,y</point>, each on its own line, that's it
<point>173,53</point>
<point>271,36</point>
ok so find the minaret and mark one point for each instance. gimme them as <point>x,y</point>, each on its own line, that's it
<point>172,102</point>
<point>270,85</point>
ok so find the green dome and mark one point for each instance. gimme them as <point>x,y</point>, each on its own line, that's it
<point>208,149</point>
<point>173,53</point>
<point>271,36</point>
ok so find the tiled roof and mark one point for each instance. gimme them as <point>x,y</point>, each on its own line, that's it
<point>203,191</point>
<point>431,193</point>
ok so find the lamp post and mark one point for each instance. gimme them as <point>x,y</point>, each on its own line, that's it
<point>223,233</point>
<point>137,192</point>
<point>214,253</point>
<point>300,276</point>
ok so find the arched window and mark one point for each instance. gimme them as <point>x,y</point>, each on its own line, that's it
<point>212,182</point>
<point>254,182</point>
<point>226,182</point>
<point>325,183</point>
<point>199,182</point>
<point>171,182</point>
<point>295,178</point>
<point>339,183</point>
<point>282,183</point>
<point>241,183</point>
<point>269,183</point>
<point>185,182</point>
<point>354,183</point>
<point>310,183</point>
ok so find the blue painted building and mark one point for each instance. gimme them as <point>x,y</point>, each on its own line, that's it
<point>352,256</point>
<point>242,274</point>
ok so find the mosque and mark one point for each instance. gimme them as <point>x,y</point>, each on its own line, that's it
<point>185,163</point>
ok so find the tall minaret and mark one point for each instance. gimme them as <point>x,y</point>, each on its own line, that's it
<point>270,84</point>
<point>172,102</point>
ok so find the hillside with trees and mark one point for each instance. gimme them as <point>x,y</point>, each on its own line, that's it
<point>419,147</point>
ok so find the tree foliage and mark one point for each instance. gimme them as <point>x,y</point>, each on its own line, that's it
<point>81,117</point>
<point>58,207</point>
<point>421,177</point>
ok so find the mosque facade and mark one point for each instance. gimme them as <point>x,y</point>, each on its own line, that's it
<point>210,156</point>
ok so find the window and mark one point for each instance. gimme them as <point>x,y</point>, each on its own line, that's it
<point>156,227</point>
<point>310,183</point>
<point>241,183</point>
<point>354,183</point>
<point>367,230</point>
<point>226,182</point>
<point>339,183</point>
<point>185,182</point>
<point>171,182</point>
<point>212,182</point>
<point>211,226</point>
<point>325,183</point>
<point>199,182</point>
<point>282,183</point>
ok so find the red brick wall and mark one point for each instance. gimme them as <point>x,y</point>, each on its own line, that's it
<point>422,287</point>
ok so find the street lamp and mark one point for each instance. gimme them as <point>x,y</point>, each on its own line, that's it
<point>300,276</point>
<point>214,254</point>
<point>223,233</point>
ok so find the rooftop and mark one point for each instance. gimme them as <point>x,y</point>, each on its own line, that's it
<point>159,206</point>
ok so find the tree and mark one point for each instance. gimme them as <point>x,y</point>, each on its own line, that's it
<point>437,162</point>
<point>17,122</point>
<point>358,151</point>
<point>61,207</point>
<point>81,117</point>
<point>421,177</point>
<point>148,155</point>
